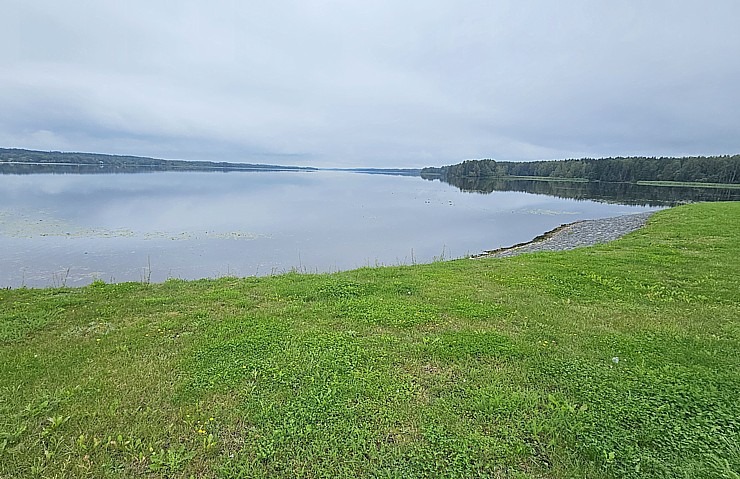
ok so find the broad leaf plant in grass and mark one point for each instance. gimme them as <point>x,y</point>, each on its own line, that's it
<point>615,361</point>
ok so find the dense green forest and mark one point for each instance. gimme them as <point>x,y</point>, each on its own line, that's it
<point>705,169</point>
<point>20,161</point>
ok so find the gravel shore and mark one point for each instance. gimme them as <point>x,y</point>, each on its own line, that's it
<point>575,235</point>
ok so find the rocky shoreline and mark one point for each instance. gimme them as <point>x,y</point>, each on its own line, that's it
<point>575,235</point>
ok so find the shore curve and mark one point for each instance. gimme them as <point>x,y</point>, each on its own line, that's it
<point>575,235</point>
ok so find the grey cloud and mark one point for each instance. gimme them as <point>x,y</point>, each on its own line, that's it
<point>372,83</point>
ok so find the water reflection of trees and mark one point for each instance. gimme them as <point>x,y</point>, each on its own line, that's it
<point>33,169</point>
<point>26,162</point>
<point>622,193</point>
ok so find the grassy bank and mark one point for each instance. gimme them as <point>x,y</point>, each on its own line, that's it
<point>690,184</point>
<point>614,361</point>
<point>541,178</point>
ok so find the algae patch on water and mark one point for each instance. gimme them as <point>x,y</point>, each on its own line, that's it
<point>39,224</point>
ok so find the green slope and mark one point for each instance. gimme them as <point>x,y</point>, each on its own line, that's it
<point>619,360</point>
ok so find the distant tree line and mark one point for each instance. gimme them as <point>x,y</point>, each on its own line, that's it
<point>706,169</point>
<point>18,161</point>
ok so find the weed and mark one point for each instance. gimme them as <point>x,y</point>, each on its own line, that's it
<point>171,460</point>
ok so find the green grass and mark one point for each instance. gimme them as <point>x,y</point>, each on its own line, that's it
<point>691,184</point>
<point>619,360</point>
<point>543,178</point>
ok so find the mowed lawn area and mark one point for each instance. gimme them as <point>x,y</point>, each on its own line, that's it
<point>620,360</point>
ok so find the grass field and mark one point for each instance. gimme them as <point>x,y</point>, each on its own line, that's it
<point>621,360</point>
<point>692,184</point>
<point>543,178</point>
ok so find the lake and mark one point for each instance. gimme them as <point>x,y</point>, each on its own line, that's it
<point>69,230</point>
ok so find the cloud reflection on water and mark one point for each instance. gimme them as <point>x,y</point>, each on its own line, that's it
<point>192,225</point>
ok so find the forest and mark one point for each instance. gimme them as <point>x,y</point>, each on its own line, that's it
<point>705,169</point>
<point>19,161</point>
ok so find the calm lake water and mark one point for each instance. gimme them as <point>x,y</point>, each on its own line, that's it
<point>72,229</point>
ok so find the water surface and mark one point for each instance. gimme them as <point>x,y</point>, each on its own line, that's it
<point>72,229</point>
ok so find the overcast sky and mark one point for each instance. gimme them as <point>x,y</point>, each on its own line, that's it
<point>371,83</point>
